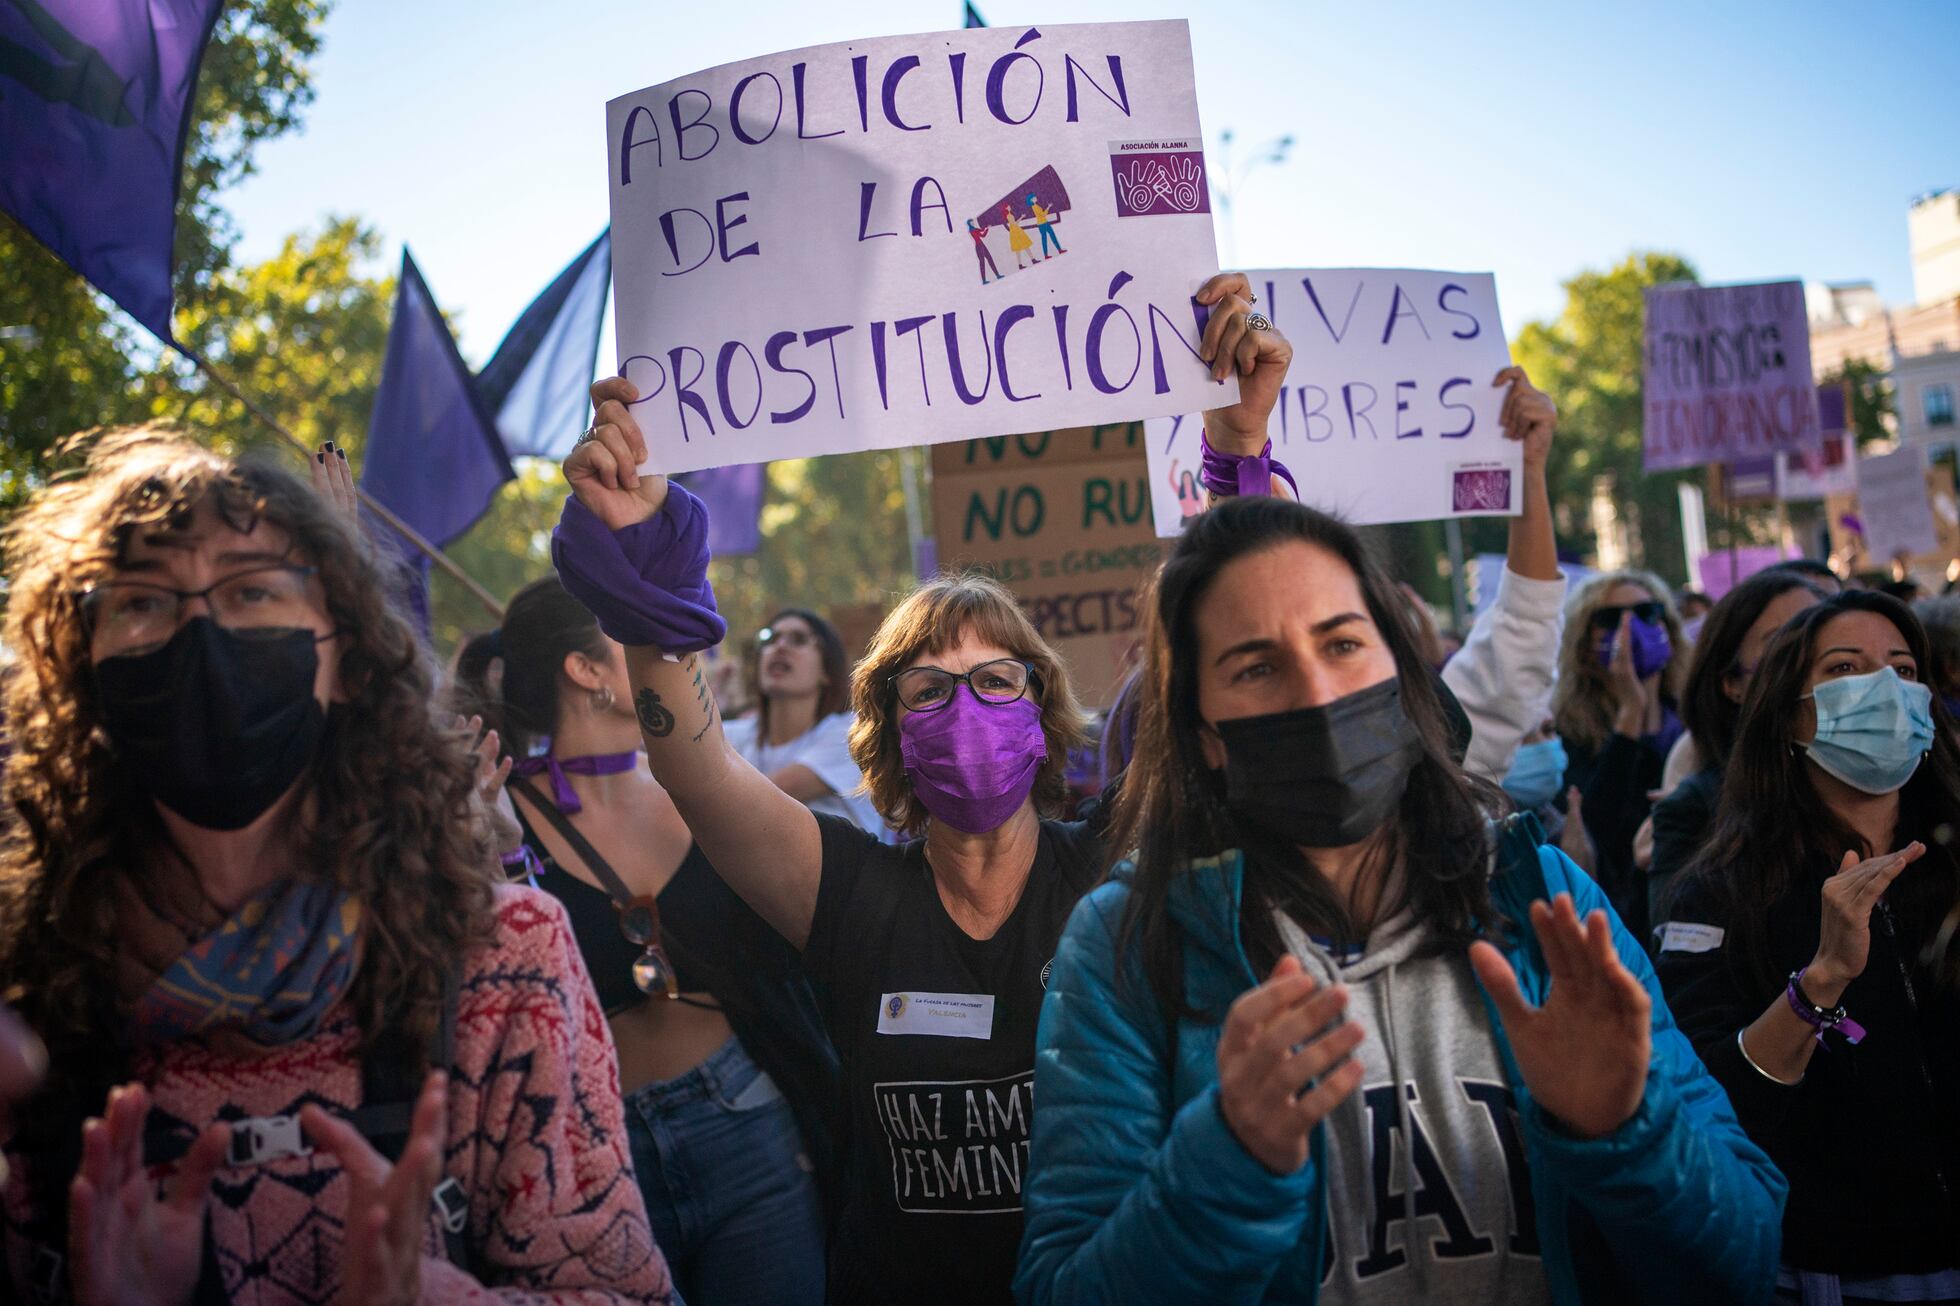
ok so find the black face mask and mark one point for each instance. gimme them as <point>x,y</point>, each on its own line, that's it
<point>215,725</point>
<point>1321,777</point>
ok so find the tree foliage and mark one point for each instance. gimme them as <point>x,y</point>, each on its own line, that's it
<point>81,364</point>
<point>1589,361</point>
<point>1871,409</point>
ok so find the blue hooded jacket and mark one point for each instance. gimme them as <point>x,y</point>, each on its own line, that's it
<point>1139,1192</point>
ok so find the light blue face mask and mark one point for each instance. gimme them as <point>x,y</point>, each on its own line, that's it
<point>1536,774</point>
<point>1872,730</point>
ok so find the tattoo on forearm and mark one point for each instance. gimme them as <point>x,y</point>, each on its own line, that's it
<point>703,697</point>
<point>655,720</point>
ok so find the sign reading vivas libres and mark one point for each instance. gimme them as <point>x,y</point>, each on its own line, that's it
<point>1727,375</point>
<point>912,239</point>
<point>1388,413</point>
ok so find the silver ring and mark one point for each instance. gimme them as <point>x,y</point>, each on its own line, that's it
<point>1257,322</point>
<point>591,434</point>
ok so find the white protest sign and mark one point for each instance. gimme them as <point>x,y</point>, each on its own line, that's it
<point>1894,506</point>
<point>912,239</point>
<point>1388,413</point>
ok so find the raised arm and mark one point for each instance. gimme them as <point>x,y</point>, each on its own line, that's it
<point>1505,672</point>
<point>633,550</point>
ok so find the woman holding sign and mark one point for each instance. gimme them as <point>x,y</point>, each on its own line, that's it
<point>1457,1080</point>
<point>932,956</point>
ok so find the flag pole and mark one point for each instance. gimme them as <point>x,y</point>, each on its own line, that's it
<point>393,522</point>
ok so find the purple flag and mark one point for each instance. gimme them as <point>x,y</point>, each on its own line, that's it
<point>734,499</point>
<point>94,109</point>
<point>537,382</point>
<point>433,456</point>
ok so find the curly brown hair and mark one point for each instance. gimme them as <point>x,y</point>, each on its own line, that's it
<point>932,619</point>
<point>393,814</point>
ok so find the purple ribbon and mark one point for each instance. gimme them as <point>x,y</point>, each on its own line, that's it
<point>561,788</point>
<point>647,584</point>
<point>1853,1032</point>
<point>1230,475</point>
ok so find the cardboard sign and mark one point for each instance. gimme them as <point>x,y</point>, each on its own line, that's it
<point>912,239</point>
<point>1894,506</point>
<point>1388,413</point>
<point>1062,518</point>
<point>1727,375</point>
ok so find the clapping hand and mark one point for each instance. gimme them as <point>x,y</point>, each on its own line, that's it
<point>128,1243</point>
<point>1583,1054</point>
<point>387,1205</point>
<point>334,481</point>
<point>1280,1067</point>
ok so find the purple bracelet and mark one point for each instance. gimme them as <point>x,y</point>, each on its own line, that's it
<point>1821,1019</point>
<point>1229,475</point>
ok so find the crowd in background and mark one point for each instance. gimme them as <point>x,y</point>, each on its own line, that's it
<point>1603,951</point>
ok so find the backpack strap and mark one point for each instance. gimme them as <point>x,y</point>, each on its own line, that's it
<point>389,1091</point>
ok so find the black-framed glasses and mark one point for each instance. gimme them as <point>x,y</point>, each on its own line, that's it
<point>1651,611</point>
<point>133,616</point>
<point>928,689</point>
<point>770,637</point>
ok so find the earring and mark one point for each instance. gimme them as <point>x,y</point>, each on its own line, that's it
<point>602,699</point>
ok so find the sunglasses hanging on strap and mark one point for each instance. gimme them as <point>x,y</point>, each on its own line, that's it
<point>639,916</point>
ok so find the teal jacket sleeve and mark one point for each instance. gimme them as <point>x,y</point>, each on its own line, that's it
<point>1691,1208</point>
<point>1130,1198</point>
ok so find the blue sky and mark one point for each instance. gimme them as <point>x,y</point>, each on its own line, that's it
<point>1529,139</point>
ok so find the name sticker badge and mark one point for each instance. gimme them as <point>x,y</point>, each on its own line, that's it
<point>948,1015</point>
<point>1685,936</point>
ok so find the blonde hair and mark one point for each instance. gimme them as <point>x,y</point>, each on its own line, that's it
<point>1582,705</point>
<point>932,619</point>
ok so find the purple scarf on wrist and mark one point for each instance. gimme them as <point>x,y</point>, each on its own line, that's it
<point>1230,475</point>
<point>646,583</point>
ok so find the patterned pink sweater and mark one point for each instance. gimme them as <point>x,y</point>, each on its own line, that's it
<point>536,1137</point>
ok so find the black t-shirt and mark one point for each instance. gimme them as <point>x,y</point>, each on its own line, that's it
<point>936,1033</point>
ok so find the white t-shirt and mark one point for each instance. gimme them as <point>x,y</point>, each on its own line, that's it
<point>825,750</point>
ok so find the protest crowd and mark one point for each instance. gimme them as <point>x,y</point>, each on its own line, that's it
<point>1605,950</point>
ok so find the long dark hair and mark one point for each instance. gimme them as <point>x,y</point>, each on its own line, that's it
<point>1172,808</point>
<point>1706,708</point>
<point>1774,833</point>
<point>542,626</point>
<point>833,696</point>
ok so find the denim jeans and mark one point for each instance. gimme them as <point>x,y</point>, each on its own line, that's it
<point>727,1188</point>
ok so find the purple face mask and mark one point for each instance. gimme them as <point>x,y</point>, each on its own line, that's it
<point>1652,650</point>
<point>973,764</point>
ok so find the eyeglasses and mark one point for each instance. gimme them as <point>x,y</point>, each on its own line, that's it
<point>928,689</point>
<point>770,637</point>
<point>639,921</point>
<point>129,617</point>
<point>1651,612</point>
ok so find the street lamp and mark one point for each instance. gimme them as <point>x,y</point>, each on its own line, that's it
<point>1232,173</point>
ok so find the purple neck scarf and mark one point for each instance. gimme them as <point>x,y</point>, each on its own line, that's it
<point>561,788</point>
<point>973,764</point>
